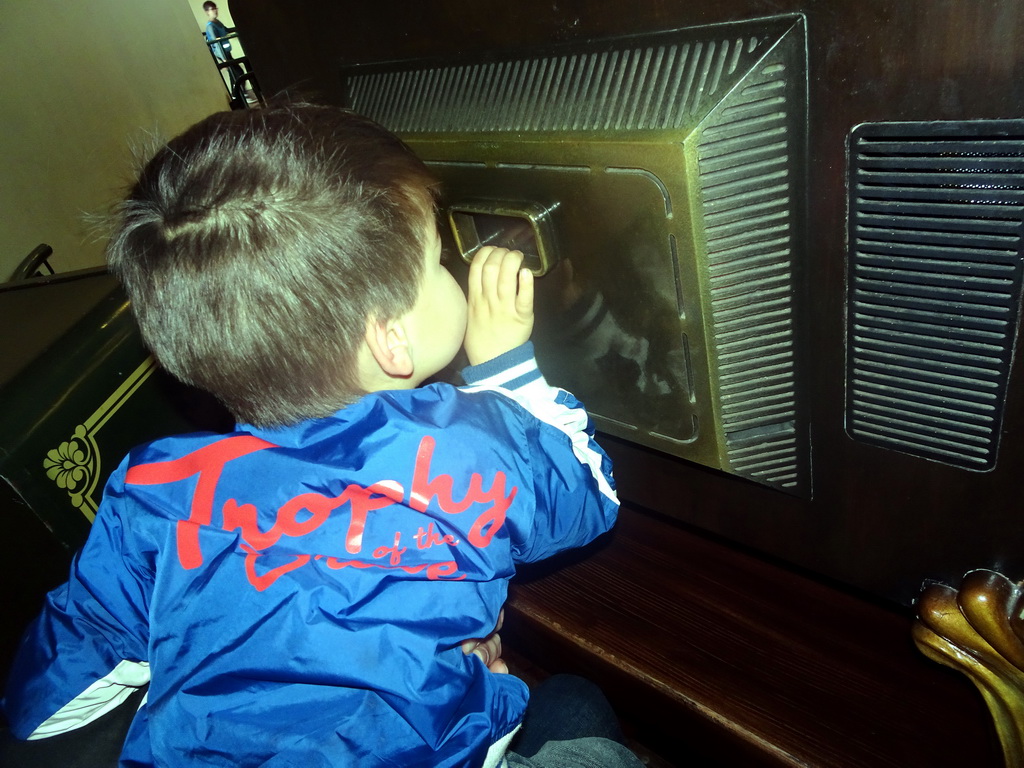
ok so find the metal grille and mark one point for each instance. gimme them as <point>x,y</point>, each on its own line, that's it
<point>936,211</point>
<point>635,88</point>
<point>746,188</point>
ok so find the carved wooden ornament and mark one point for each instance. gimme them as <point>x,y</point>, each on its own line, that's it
<point>979,630</point>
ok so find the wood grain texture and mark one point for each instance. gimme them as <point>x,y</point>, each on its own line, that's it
<point>723,653</point>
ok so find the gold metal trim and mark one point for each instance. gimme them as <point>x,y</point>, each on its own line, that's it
<point>75,464</point>
<point>531,233</point>
<point>979,630</point>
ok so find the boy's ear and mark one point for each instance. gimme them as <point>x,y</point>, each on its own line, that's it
<point>389,345</point>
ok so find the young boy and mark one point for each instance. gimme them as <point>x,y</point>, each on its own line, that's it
<point>216,31</point>
<point>295,593</point>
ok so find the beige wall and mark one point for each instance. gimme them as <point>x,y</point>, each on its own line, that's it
<point>83,81</point>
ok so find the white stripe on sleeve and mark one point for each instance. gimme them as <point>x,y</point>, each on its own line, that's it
<point>539,398</point>
<point>95,701</point>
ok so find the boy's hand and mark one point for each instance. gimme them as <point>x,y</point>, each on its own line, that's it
<point>489,649</point>
<point>500,304</point>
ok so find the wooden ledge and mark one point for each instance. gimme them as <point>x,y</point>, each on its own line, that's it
<point>717,655</point>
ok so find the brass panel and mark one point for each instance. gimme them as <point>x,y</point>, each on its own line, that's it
<point>639,357</point>
<point>522,227</point>
<point>669,167</point>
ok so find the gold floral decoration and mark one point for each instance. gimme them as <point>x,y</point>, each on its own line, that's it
<point>71,465</point>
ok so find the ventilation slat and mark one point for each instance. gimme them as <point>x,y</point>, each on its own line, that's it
<point>953,194</point>
<point>623,89</point>
<point>940,266</point>
<point>943,163</point>
<point>935,270</point>
<point>1006,214</point>
<point>929,351</point>
<point>745,178</point>
<point>958,332</point>
<point>979,144</point>
<point>924,367</point>
<point>869,305</point>
<point>942,254</point>
<point>928,300</point>
<point>890,401</point>
<point>942,342</point>
<point>898,219</point>
<point>907,234</point>
<point>953,409</point>
<point>956,279</point>
<point>933,437</point>
<point>941,179</point>
<point>923,387</point>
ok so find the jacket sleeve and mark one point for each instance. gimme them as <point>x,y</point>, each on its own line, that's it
<point>574,489</point>
<point>86,652</point>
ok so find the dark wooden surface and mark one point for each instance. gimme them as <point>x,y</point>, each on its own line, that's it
<point>721,658</point>
<point>28,328</point>
<point>879,520</point>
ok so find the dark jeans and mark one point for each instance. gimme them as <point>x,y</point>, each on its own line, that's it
<point>235,73</point>
<point>570,724</point>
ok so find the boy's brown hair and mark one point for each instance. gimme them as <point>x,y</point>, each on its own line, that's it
<point>256,245</point>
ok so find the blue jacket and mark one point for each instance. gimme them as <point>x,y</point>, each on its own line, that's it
<point>215,30</point>
<point>298,596</point>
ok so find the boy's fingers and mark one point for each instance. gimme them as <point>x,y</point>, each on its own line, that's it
<point>508,277</point>
<point>524,299</point>
<point>490,649</point>
<point>488,269</point>
<point>483,254</point>
<point>494,274</point>
<point>476,269</point>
